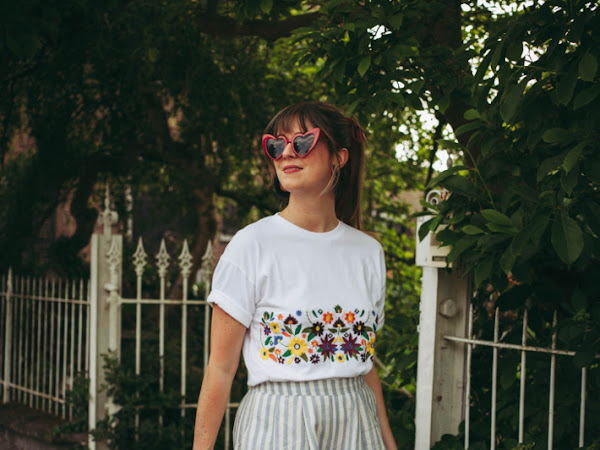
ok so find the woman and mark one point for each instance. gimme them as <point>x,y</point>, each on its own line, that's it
<point>301,294</point>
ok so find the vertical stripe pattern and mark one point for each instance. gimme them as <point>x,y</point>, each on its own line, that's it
<point>336,413</point>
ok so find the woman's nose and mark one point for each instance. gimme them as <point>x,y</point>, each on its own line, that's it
<point>288,151</point>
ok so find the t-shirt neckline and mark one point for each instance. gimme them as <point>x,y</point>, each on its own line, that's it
<point>313,234</point>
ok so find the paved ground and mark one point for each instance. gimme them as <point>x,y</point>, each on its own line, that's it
<point>23,428</point>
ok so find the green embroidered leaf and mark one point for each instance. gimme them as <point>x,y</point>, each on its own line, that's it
<point>307,329</point>
<point>288,329</point>
<point>360,349</point>
<point>332,330</point>
<point>271,349</point>
<point>315,314</point>
<point>362,313</point>
<point>303,356</point>
<point>338,309</point>
<point>268,340</point>
<point>310,337</point>
<point>343,330</point>
<point>319,350</point>
<point>368,329</point>
<point>365,335</point>
<point>286,354</point>
<point>298,328</point>
<point>266,315</point>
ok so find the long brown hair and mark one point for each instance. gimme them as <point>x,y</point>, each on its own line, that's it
<point>339,131</point>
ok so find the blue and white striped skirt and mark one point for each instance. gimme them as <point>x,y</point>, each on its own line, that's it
<point>331,414</point>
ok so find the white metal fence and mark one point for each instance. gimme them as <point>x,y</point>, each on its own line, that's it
<point>44,326</point>
<point>53,330</point>
<point>524,349</point>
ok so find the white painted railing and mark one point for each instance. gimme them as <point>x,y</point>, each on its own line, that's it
<point>496,346</point>
<point>44,326</point>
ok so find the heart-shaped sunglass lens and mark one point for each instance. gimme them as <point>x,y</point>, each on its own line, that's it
<point>275,147</point>
<point>302,144</point>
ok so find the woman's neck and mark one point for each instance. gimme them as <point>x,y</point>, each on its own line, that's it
<point>317,215</point>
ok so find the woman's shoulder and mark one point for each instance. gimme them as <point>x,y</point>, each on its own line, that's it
<point>364,238</point>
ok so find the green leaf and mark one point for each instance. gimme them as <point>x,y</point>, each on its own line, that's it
<point>460,185</point>
<point>424,229</point>
<point>549,165</point>
<point>568,181</point>
<point>585,355</point>
<point>588,67</point>
<point>268,340</point>
<point>298,329</point>
<point>566,85</point>
<point>567,238</point>
<point>396,20</point>
<point>514,50</point>
<point>467,127</point>
<point>507,261</point>
<point>511,100</point>
<point>266,6</point>
<point>586,96</point>
<point>557,135</point>
<point>472,114</point>
<point>364,64</point>
<point>449,144</point>
<point>497,217</point>
<point>286,354</point>
<point>472,229</point>
<point>573,156</point>
<point>501,228</point>
<point>460,247</point>
<point>483,270</point>
<point>445,174</point>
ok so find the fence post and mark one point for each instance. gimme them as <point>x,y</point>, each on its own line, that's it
<point>105,316</point>
<point>7,339</point>
<point>441,377</point>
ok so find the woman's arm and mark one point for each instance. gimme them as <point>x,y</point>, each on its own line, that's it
<point>226,338</point>
<point>372,379</point>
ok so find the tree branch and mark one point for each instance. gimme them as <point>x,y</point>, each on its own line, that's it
<point>228,27</point>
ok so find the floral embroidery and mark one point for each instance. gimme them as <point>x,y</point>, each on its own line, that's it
<point>320,337</point>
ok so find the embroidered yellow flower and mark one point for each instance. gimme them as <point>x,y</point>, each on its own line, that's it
<point>264,353</point>
<point>340,357</point>
<point>297,346</point>
<point>275,327</point>
<point>371,346</point>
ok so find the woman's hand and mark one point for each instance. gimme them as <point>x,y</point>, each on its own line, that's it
<point>226,338</point>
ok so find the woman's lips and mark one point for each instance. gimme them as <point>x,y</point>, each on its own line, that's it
<point>291,169</point>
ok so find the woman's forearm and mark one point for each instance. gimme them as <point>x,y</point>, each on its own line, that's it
<point>212,402</point>
<point>372,379</point>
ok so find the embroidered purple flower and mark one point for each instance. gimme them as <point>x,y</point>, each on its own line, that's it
<point>297,360</point>
<point>327,346</point>
<point>359,327</point>
<point>317,328</point>
<point>314,359</point>
<point>338,324</point>
<point>267,330</point>
<point>280,360</point>
<point>350,346</point>
<point>290,320</point>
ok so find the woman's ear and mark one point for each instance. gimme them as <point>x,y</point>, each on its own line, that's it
<point>342,157</point>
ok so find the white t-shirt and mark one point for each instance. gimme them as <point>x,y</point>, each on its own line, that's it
<point>312,302</point>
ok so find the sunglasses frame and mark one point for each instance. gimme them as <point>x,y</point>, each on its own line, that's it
<point>316,131</point>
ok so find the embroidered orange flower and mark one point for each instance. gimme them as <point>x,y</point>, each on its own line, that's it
<point>280,316</point>
<point>350,318</point>
<point>327,317</point>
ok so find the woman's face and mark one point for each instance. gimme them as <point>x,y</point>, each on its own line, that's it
<point>305,176</point>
